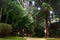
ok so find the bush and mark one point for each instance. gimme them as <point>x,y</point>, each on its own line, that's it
<point>53,33</point>
<point>5,29</point>
<point>38,32</point>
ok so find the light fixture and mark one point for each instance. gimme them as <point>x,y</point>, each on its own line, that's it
<point>33,2</point>
<point>39,8</point>
<point>18,33</point>
<point>51,12</point>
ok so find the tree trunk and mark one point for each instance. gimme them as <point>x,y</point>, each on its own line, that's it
<point>6,18</point>
<point>0,14</point>
<point>46,18</point>
<point>0,9</point>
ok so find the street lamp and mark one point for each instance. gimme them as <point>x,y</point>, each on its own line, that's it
<point>33,2</point>
<point>51,12</point>
<point>39,8</point>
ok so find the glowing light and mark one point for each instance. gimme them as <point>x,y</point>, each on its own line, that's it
<point>18,33</point>
<point>39,8</point>
<point>33,2</point>
<point>51,12</point>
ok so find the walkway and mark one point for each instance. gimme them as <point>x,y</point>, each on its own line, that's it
<point>29,38</point>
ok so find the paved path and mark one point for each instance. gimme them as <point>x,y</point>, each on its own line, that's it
<point>29,38</point>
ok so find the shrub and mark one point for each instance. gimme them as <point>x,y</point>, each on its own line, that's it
<point>53,33</point>
<point>5,29</point>
<point>38,32</point>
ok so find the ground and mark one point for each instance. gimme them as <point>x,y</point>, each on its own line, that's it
<point>29,38</point>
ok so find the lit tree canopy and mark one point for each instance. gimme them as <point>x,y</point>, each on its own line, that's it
<point>14,11</point>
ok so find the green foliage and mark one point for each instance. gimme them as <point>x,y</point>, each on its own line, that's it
<point>13,38</point>
<point>14,11</point>
<point>53,33</point>
<point>46,6</point>
<point>5,29</point>
<point>38,32</point>
<point>53,39</point>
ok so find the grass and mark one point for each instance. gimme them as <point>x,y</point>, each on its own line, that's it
<point>20,38</point>
<point>13,38</point>
<point>53,39</point>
